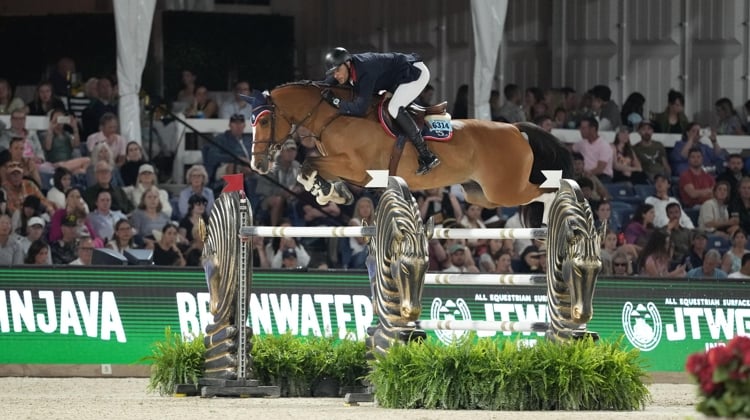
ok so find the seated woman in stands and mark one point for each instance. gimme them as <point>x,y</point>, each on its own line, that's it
<point>134,158</point>
<point>656,255</point>
<point>732,260</point>
<point>625,163</point>
<point>202,106</point>
<point>44,101</point>
<point>124,237</point>
<point>641,226</point>
<point>714,215</point>
<point>60,144</point>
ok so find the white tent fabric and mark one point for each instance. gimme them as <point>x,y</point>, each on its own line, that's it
<point>489,22</point>
<point>133,25</point>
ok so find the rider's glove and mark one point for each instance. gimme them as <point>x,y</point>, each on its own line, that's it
<point>329,97</point>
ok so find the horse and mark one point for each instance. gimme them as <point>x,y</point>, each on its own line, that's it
<point>498,164</point>
<point>397,264</point>
<point>574,262</point>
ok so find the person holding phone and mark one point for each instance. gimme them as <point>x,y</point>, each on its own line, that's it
<point>713,156</point>
<point>60,141</point>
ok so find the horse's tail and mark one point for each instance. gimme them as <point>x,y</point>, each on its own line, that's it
<point>549,153</point>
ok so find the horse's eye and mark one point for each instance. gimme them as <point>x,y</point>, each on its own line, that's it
<point>263,122</point>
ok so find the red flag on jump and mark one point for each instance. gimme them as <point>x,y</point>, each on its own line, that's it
<point>234,182</point>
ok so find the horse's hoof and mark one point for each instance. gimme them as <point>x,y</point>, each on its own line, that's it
<point>343,192</point>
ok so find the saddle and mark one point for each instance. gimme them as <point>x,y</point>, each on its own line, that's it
<point>434,121</point>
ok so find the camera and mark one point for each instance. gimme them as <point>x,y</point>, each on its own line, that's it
<point>63,119</point>
<point>705,132</point>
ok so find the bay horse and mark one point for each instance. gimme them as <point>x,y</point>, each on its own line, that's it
<point>498,164</point>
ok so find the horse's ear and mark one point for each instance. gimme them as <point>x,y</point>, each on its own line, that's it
<point>429,228</point>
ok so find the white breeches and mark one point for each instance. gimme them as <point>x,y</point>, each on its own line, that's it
<point>407,92</point>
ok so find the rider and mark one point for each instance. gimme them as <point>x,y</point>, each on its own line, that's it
<point>405,75</point>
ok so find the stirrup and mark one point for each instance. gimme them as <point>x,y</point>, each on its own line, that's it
<point>425,167</point>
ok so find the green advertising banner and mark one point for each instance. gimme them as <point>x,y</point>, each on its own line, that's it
<point>98,315</point>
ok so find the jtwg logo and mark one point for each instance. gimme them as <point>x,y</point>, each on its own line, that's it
<point>642,325</point>
<point>450,311</point>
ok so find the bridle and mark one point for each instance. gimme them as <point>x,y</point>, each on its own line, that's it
<point>275,110</point>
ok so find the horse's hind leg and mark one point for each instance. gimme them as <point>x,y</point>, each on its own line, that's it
<point>474,194</point>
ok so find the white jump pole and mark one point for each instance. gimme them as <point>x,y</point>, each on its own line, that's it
<point>356,231</point>
<point>485,279</point>
<point>508,326</point>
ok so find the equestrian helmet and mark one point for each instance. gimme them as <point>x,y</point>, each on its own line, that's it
<point>336,58</point>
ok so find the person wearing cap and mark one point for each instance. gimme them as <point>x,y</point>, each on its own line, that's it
<point>108,128</point>
<point>237,105</point>
<point>459,260</point>
<point>303,258</point>
<point>64,250</point>
<point>273,198</point>
<point>34,232</point>
<point>221,157</point>
<point>11,252</point>
<point>103,219</point>
<point>17,149</point>
<point>651,153</point>
<point>197,179</point>
<point>404,75</point>
<point>146,180</point>
<point>289,259</point>
<point>17,188</point>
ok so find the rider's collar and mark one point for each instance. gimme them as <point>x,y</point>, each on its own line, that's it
<point>352,75</point>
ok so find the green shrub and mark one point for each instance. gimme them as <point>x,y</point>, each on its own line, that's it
<point>491,375</point>
<point>350,364</point>
<point>175,361</point>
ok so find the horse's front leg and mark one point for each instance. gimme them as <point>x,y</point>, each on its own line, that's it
<point>324,191</point>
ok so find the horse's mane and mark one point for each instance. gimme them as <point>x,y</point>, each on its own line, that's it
<point>310,83</point>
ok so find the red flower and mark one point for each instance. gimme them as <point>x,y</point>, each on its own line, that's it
<point>740,345</point>
<point>695,363</point>
<point>720,356</point>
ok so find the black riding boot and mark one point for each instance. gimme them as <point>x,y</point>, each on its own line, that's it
<point>427,159</point>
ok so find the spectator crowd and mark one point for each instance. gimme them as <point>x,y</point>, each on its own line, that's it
<point>79,185</point>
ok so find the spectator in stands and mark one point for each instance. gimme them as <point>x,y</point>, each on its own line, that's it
<point>734,172</point>
<point>103,153</point>
<point>679,235</point>
<point>194,251</point>
<point>25,147</point>
<point>713,157</point>
<point>166,251</point>
<point>744,271</point>
<point>32,207</point>
<point>651,153</point>
<point>83,98</point>
<point>530,259</point>
<point>64,250</point>
<point>626,167</point>
<point>503,262</point>
<point>598,190</point>
<point>62,181</point>
<point>673,119</point>
<point>74,205</point>
<point>17,189</point>
<point>472,219</point>
<point>661,199</point>
<point>641,225</point>
<point>108,127</point>
<point>9,103</point>
<point>608,248</point>
<point>147,180</point>
<point>604,108</point>
<point>229,149</point>
<point>732,260</point>
<point>38,253</point>
<point>11,252</point>
<point>196,178</point>
<point>260,256</point>
<point>103,175</point>
<point>105,103</point>
<point>560,118</point>
<point>714,214</point>
<point>440,204</point>
<point>698,248</point>
<point>61,145</point>
<point>621,264</point>
<point>196,212</point>
<point>103,219</point>
<point>696,185</point>
<point>631,114</point>
<point>202,106</point>
<point>123,237</point>
<point>603,213</point>
<point>289,259</point>
<point>84,251</point>
<point>460,260</point>
<point>61,79</point>
<point>597,153</point>
<point>531,100</point>
<point>303,258</point>
<point>729,121</point>
<point>44,101</point>
<point>741,206</point>
<point>512,109</point>
<point>461,104</point>
<point>656,256</point>
<point>134,158</point>
<point>353,251</point>
<point>34,232</point>
<point>276,198</point>
<point>238,105</point>
<point>186,94</point>
<point>149,217</point>
<point>709,269</point>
